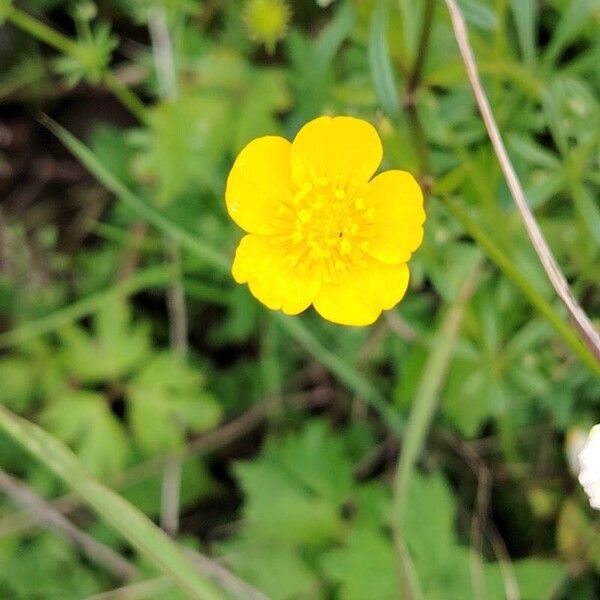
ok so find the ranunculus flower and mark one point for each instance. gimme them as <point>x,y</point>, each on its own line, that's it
<point>320,230</point>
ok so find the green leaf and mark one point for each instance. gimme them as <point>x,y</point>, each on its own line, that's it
<point>90,59</point>
<point>312,479</point>
<point>536,578</point>
<point>525,17</point>
<point>587,207</point>
<point>49,563</point>
<point>478,14</point>
<point>133,525</point>
<point>266,94</point>
<point>429,523</point>
<point>17,383</point>
<point>364,569</point>
<point>146,494</point>
<point>275,569</point>
<point>215,258</point>
<point>334,34</point>
<point>167,400</point>
<point>113,350</point>
<point>84,421</point>
<point>532,152</point>
<point>380,65</point>
<point>572,20</point>
<point>181,135</point>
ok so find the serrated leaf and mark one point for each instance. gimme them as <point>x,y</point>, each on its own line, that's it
<point>184,140</point>
<point>275,569</point>
<point>296,489</point>
<point>167,400</point>
<point>365,569</point>
<point>112,351</point>
<point>84,421</point>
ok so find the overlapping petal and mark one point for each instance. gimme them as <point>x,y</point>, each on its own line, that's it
<point>357,296</point>
<point>321,231</point>
<point>259,182</point>
<point>275,277</point>
<point>336,148</point>
<point>398,216</point>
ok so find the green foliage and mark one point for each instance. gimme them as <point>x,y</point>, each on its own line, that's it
<point>91,59</point>
<point>43,567</point>
<point>167,399</point>
<point>299,505</point>
<point>323,523</point>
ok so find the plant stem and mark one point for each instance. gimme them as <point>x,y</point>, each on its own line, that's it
<point>423,408</point>
<point>162,48</point>
<point>184,238</point>
<point>127,98</point>
<point>344,372</point>
<point>151,277</point>
<point>62,43</point>
<point>95,550</point>
<point>583,325</point>
<point>416,74</point>
<point>128,521</point>
<point>42,32</point>
<point>505,264</point>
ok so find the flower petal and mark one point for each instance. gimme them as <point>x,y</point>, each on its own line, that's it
<point>358,296</point>
<point>259,181</point>
<point>398,216</point>
<point>274,278</point>
<point>336,147</point>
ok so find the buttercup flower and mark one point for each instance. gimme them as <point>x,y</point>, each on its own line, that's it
<point>589,462</point>
<point>320,230</point>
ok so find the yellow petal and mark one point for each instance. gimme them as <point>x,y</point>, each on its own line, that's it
<point>272,274</point>
<point>396,230</point>
<point>330,148</point>
<point>258,184</point>
<point>358,296</point>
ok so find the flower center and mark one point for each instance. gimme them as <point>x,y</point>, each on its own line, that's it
<point>327,223</point>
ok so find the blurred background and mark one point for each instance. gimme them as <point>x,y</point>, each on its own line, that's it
<point>270,444</point>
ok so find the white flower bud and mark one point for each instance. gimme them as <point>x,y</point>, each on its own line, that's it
<point>589,461</point>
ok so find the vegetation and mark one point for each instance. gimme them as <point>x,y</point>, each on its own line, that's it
<point>430,455</point>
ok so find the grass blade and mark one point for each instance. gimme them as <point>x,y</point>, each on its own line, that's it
<point>379,60</point>
<point>506,265</point>
<point>153,276</point>
<point>344,372</point>
<point>127,520</point>
<point>143,210</point>
<point>587,332</point>
<point>423,408</point>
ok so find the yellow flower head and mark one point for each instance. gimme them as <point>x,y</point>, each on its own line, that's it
<point>320,230</point>
<point>267,21</point>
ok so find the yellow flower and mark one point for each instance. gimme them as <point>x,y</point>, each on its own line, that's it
<point>320,230</point>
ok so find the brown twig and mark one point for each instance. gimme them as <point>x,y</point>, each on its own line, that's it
<point>149,588</point>
<point>213,440</point>
<point>95,550</point>
<point>481,525</point>
<point>586,330</point>
<point>135,591</point>
<point>162,49</point>
<point>237,587</point>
